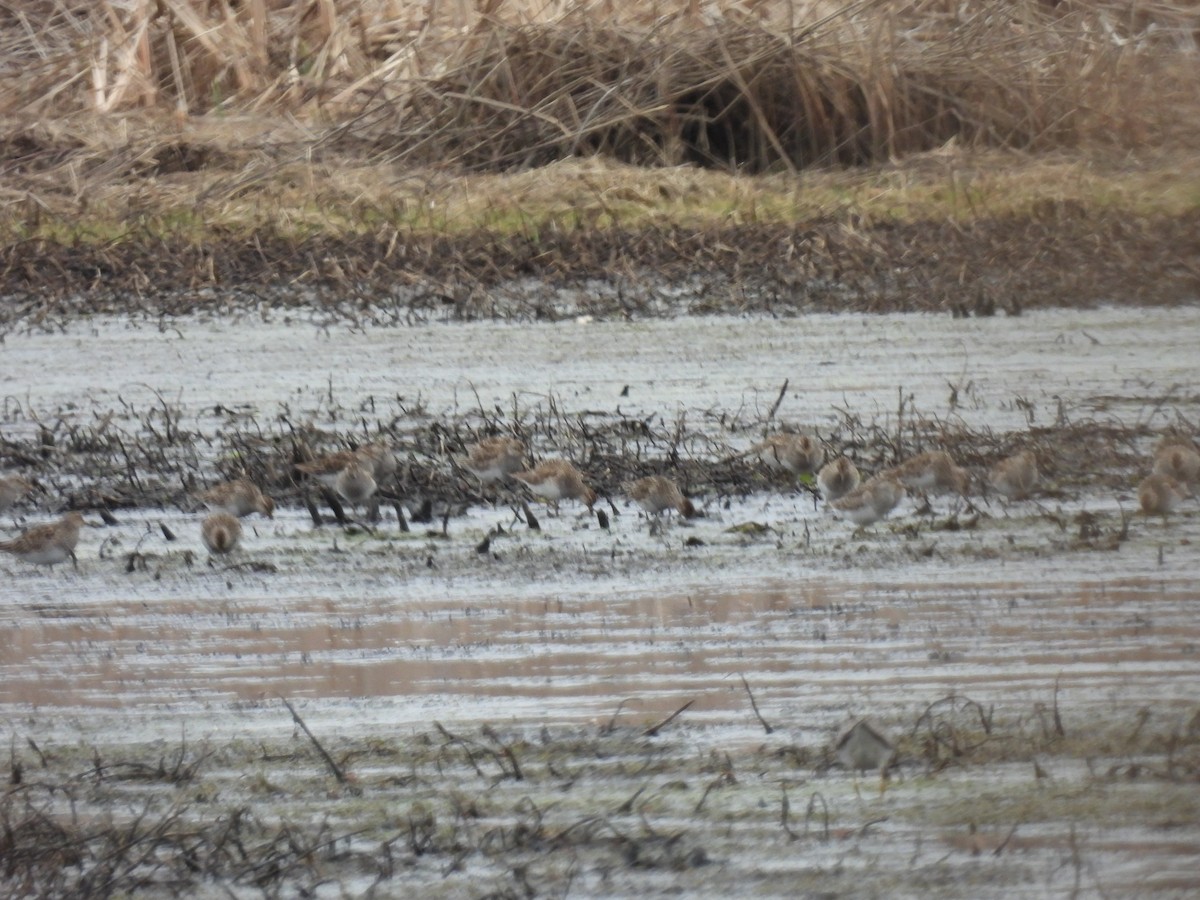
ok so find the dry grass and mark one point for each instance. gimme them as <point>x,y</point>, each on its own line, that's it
<point>350,145</point>
<point>151,462</point>
<point>583,811</point>
<point>749,86</point>
<point>1056,253</point>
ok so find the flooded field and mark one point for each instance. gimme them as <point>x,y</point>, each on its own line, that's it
<point>1036,663</point>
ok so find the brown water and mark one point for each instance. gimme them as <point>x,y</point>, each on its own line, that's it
<point>850,645</point>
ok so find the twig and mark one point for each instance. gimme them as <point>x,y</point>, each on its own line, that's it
<point>507,750</point>
<point>1058,725</point>
<point>785,809</point>
<point>530,518</point>
<point>811,810</point>
<point>612,723</point>
<point>654,729</point>
<point>334,767</point>
<point>715,783</point>
<point>1004,843</point>
<point>627,807</point>
<point>778,400</point>
<point>38,750</point>
<point>766,727</point>
<point>335,505</point>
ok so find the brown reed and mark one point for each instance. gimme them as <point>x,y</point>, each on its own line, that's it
<point>501,85</point>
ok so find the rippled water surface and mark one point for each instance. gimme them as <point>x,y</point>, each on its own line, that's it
<point>576,624</point>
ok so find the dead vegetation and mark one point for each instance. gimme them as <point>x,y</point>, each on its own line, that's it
<point>155,454</point>
<point>503,812</point>
<point>505,84</point>
<point>161,153</point>
<point>1060,256</point>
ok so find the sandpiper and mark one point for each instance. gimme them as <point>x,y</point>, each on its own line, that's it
<point>326,469</point>
<point>657,493</point>
<point>379,460</point>
<point>800,454</point>
<point>354,475</point>
<point>1170,441</point>
<point>239,497</point>
<point>1158,495</point>
<point>870,501</point>
<point>221,532</point>
<point>933,471</point>
<point>1016,476</point>
<point>861,748</point>
<point>1179,462</point>
<point>494,458</point>
<point>837,479</point>
<point>47,545</point>
<point>555,480</point>
<point>12,489</point>
<point>355,483</point>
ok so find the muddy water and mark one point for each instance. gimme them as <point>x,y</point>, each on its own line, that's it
<point>833,649</point>
<point>1003,371</point>
<point>384,634</point>
<point>567,624</point>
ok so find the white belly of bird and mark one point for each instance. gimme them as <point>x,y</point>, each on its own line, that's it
<point>548,490</point>
<point>860,513</point>
<point>485,474</point>
<point>232,506</point>
<point>48,556</point>
<point>924,481</point>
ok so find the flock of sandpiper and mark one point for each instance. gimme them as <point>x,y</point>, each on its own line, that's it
<point>355,475</point>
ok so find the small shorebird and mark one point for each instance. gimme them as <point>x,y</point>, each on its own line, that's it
<point>933,471</point>
<point>378,459</point>
<point>221,532</point>
<point>325,469</point>
<point>861,748</point>
<point>870,501</point>
<point>355,483</point>
<point>12,489</point>
<point>47,545</point>
<point>657,493</point>
<point>239,497</point>
<point>1179,462</point>
<point>1158,495</point>
<point>354,475</point>
<point>1016,476</point>
<point>494,458</point>
<point>1171,441</point>
<point>800,454</point>
<point>837,479</point>
<point>555,480</point>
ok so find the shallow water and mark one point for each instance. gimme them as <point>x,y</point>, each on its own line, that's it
<point>849,646</point>
<point>570,621</point>
<point>577,625</point>
<point>1007,371</point>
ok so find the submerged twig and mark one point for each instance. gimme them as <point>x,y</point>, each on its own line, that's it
<point>654,729</point>
<point>766,727</point>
